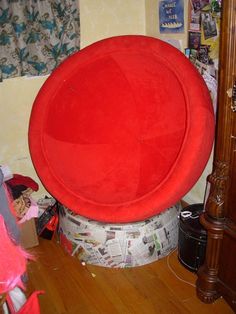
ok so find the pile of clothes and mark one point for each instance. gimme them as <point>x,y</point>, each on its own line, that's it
<point>21,188</point>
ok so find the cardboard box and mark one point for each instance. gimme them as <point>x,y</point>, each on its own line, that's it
<point>28,234</point>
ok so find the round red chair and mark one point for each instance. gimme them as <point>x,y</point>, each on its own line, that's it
<point>122,129</point>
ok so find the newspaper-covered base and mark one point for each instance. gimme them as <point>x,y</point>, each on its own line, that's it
<point>119,245</point>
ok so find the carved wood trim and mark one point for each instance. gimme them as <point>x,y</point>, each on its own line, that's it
<point>218,187</point>
<point>215,218</point>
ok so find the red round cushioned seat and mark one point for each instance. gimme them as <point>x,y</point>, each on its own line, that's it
<point>122,129</point>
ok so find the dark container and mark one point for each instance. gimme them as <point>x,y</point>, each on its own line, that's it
<point>192,238</point>
<point>47,223</point>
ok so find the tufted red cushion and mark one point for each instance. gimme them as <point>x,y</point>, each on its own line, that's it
<point>122,129</point>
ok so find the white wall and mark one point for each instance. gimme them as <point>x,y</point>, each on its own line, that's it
<point>106,18</point>
<point>16,99</point>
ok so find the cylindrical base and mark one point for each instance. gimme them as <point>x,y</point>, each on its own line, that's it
<point>119,245</point>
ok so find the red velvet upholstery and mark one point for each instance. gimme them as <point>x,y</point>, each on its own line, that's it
<point>122,129</point>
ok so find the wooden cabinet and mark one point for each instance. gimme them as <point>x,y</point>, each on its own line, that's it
<point>217,277</point>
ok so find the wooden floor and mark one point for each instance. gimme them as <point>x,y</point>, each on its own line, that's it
<point>71,288</point>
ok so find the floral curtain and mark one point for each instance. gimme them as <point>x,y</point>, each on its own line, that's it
<point>36,35</point>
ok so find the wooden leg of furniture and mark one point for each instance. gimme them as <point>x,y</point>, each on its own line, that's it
<point>207,274</point>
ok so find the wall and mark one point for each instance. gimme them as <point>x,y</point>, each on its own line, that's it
<point>110,18</point>
<point>16,97</point>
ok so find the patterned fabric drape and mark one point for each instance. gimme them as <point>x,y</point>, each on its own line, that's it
<point>36,35</point>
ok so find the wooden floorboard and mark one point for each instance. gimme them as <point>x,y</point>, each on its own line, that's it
<point>71,288</point>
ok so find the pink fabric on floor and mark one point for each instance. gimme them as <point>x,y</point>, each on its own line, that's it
<point>13,261</point>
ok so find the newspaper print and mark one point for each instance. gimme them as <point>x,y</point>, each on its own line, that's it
<point>120,245</point>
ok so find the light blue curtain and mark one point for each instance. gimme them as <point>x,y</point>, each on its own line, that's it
<point>36,35</point>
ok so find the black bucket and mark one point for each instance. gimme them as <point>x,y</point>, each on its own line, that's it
<point>192,238</point>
